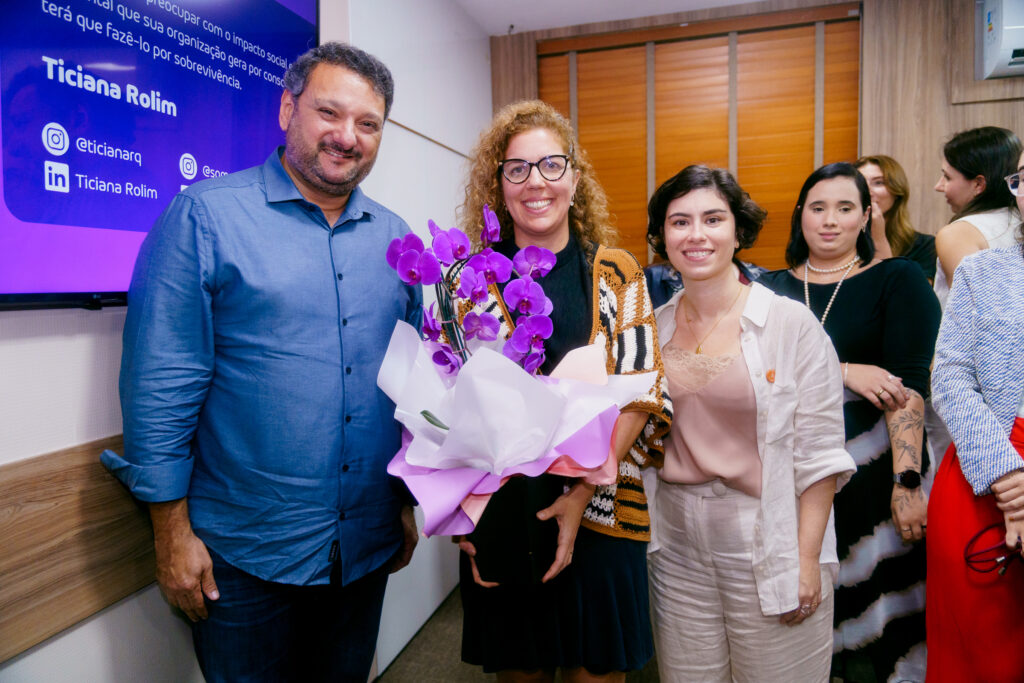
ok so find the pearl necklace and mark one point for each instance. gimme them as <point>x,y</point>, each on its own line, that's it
<point>807,291</point>
<point>830,270</point>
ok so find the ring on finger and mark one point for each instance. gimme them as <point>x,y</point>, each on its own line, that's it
<point>890,377</point>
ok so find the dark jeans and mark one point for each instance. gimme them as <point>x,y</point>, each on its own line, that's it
<point>264,631</point>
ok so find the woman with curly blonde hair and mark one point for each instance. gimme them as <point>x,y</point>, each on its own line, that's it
<point>588,213</point>
<point>554,576</point>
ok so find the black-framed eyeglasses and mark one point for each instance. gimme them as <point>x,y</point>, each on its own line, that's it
<point>996,558</point>
<point>1013,181</point>
<point>552,167</point>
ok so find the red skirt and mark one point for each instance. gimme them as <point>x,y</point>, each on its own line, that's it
<point>975,620</point>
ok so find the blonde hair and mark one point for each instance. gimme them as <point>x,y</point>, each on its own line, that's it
<point>588,216</point>
<point>899,232</point>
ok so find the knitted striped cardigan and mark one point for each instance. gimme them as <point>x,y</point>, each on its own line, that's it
<point>623,324</point>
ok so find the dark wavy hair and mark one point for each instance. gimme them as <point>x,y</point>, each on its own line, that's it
<point>349,57</point>
<point>991,153</point>
<point>797,249</point>
<point>748,215</point>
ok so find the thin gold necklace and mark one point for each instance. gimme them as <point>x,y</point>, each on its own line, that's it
<point>700,342</point>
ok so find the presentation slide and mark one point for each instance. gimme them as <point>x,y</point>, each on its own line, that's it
<point>108,108</point>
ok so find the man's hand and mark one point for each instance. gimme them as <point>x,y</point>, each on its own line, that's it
<point>410,537</point>
<point>183,566</point>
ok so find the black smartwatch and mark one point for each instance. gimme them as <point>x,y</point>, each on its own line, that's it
<point>908,479</point>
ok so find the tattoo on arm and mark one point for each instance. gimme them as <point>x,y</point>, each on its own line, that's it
<point>906,428</point>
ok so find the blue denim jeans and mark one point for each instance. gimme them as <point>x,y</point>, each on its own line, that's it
<point>264,631</point>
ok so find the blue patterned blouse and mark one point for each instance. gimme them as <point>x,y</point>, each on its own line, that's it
<point>979,363</point>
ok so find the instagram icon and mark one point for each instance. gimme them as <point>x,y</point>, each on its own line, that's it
<point>55,139</point>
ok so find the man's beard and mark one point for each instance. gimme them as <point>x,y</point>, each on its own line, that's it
<point>308,166</point>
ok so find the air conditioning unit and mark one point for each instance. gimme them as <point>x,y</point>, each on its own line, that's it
<point>1000,35</point>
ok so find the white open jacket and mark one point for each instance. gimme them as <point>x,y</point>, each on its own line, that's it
<point>798,389</point>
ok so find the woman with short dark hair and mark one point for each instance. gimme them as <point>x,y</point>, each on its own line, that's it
<point>743,555</point>
<point>882,318</point>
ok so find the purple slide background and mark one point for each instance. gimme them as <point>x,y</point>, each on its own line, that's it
<point>230,131</point>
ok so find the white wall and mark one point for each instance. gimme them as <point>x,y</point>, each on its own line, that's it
<point>58,369</point>
<point>58,388</point>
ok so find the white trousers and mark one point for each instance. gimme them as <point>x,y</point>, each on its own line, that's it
<point>707,618</point>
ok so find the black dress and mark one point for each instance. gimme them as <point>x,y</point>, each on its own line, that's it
<point>887,316</point>
<point>922,252</point>
<point>595,613</point>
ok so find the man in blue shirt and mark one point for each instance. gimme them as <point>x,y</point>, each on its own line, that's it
<point>258,316</point>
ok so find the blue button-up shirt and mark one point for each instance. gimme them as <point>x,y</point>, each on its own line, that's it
<point>253,338</point>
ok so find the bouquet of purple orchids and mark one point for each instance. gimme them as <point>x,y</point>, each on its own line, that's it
<point>468,278</point>
<point>473,409</point>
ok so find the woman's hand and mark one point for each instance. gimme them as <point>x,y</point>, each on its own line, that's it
<point>883,249</point>
<point>884,390</point>
<point>568,509</point>
<point>1009,492</point>
<point>468,548</point>
<point>909,512</point>
<point>808,591</point>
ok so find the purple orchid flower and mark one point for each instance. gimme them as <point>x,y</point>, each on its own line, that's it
<point>447,361</point>
<point>492,228</point>
<point>400,245</point>
<point>419,268</point>
<point>527,297</point>
<point>533,361</point>
<point>528,337</point>
<point>472,286</point>
<point>431,325</point>
<point>494,266</point>
<point>450,245</point>
<point>483,326</point>
<point>533,261</point>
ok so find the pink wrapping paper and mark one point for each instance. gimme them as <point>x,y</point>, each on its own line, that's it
<point>452,500</point>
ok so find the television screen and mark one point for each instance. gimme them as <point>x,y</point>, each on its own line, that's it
<point>108,108</point>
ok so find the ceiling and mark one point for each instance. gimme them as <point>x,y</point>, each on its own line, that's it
<point>496,16</point>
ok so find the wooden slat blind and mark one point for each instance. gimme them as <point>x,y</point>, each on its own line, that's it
<point>774,107</point>
<point>553,82</point>
<point>612,101</point>
<point>776,129</point>
<point>691,105</point>
<point>842,81</point>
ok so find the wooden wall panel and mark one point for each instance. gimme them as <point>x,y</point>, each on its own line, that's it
<point>907,109</point>
<point>513,69</point>
<point>842,90</point>
<point>553,82</point>
<point>775,129</point>
<point>72,541</point>
<point>612,102</point>
<point>691,105</point>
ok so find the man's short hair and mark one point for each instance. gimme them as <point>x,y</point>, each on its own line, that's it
<point>349,57</point>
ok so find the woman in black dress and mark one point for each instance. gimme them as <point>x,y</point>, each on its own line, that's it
<point>584,607</point>
<point>882,318</point>
<point>891,230</point>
